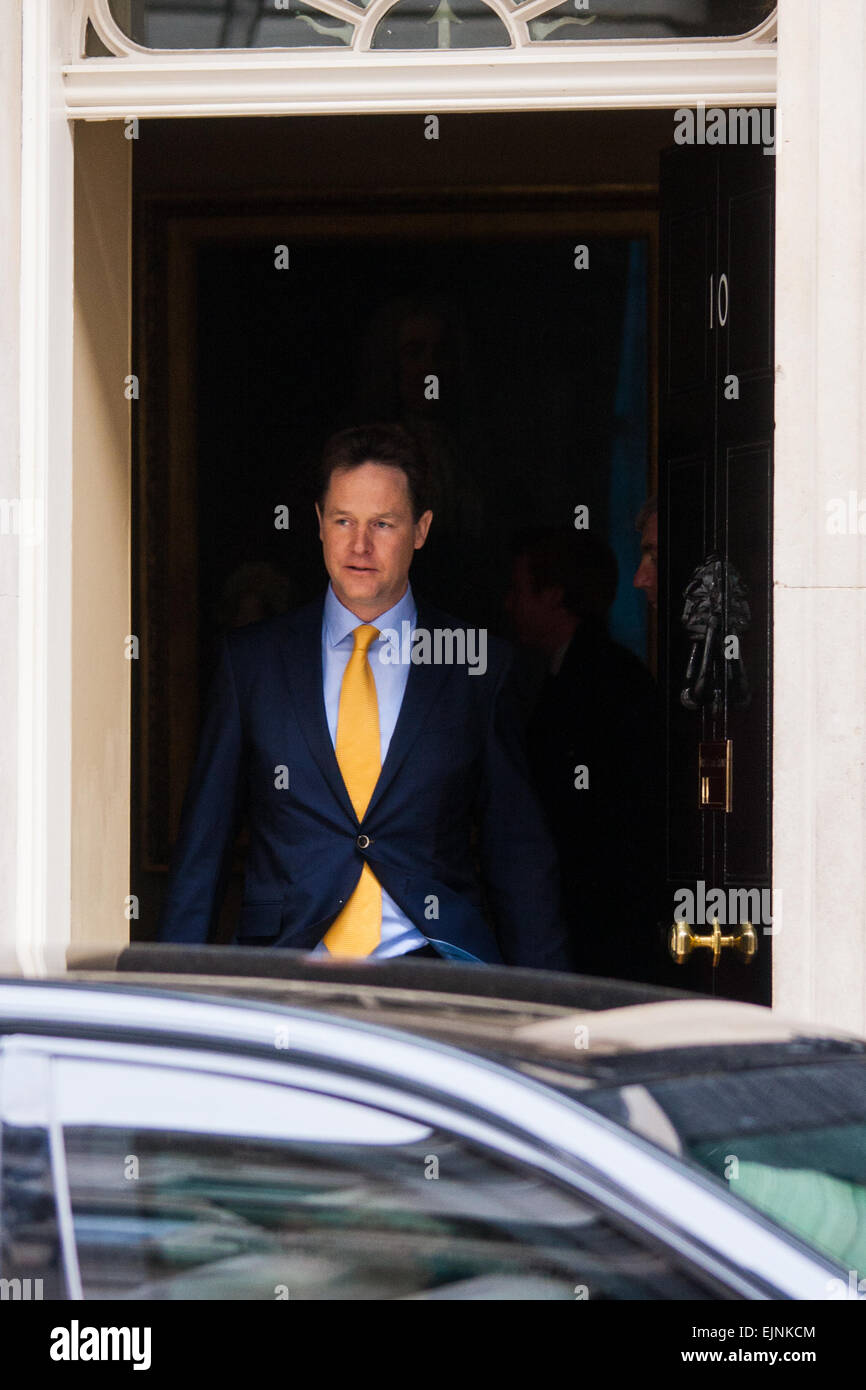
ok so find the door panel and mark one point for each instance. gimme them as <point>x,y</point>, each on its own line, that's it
<point>715,486</point>
<point>746,237</point>
<point>690,256</point>
<point>687,506</point>
<point>747,843</point>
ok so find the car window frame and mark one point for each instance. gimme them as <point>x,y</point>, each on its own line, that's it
<point>305,1084</point>
<point>316,1075</point>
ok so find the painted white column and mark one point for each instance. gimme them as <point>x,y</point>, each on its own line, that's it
<point>820,576</point>
<point>45,490</point>
<point>10,226</point>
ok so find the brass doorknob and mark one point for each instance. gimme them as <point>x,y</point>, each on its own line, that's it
<point>682,941</point>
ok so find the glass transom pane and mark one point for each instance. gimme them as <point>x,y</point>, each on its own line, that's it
<point>193,24</point>
<point>441,24</point>
<point>413,24</point>
<point>649,19</point>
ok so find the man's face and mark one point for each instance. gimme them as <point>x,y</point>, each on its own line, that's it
<point>369,537</point>
<point>647,573</point>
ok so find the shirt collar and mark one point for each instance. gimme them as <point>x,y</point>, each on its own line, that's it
<point>339,622</point>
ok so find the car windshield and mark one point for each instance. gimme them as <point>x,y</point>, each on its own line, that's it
<point>788,1140</point>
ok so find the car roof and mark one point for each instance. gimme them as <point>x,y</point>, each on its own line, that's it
<point>501,982</point>
<point>572,1031</point>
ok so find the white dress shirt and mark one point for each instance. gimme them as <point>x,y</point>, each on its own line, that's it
<point>338,643</point>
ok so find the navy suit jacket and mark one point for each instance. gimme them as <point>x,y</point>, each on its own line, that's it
<point>455,761</point>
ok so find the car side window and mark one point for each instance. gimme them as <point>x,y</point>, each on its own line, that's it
<point>31,1257</point>
<point>31,1254</point>
<point>193,1185</point>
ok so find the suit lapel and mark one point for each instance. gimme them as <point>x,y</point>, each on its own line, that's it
<point>301,651</point>
<point>422,688</point>
<point>302,659</point>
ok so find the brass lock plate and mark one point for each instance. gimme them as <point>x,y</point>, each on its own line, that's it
<point>714,775</point>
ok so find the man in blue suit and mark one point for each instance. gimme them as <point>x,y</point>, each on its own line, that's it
<point>370,744</point>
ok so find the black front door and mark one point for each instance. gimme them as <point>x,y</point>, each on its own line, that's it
<point>715,560</point>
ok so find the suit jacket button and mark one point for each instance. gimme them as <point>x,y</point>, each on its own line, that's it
<point>363,842</point>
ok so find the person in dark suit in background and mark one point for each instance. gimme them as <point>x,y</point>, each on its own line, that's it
<point>592,743</point>
<point>370,745</point>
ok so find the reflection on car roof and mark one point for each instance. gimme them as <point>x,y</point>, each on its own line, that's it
<point>665,1024</point>
<point>676,1035</point>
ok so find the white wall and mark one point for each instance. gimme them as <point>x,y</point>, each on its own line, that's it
<point>820,598</point>
<point>10,212</point>
<point>44,348</point>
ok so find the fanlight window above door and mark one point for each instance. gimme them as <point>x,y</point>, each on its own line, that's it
<point>119,28</point>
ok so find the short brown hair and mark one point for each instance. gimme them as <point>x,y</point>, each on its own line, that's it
<point>581,563</point>
<point>391,445</point>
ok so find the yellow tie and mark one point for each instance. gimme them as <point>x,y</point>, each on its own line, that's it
<point>358,928</point>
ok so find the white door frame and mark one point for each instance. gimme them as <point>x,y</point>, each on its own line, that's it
<point>60,87</point>
<point>44,351</point>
